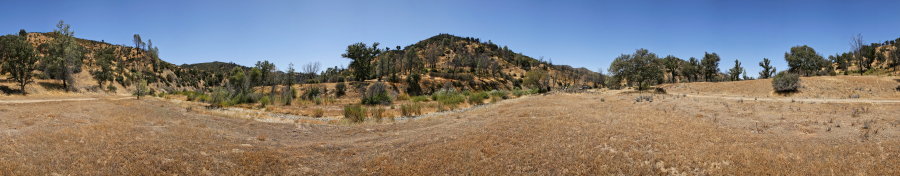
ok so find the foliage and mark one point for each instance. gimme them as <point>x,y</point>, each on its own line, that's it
<point>710,66</point>
<point>767,69</point>
<point>340,89</point>
<point>448,97</point>
<point>361,56</point>
<point>376,94</point>
<point>355,113</point>
<point>141,89</point>
<point>105,59</point>
<point>478,98</point>
<point>413,82</point>
<point>734,74</point>
<point>672,64</point>
<point>420,98</point>
<point>18,58</point>
<point>412,109</point>
<point>804,60</point>
<point>312,92</point>
<point>786,82</point>
<point>537,79</point>
<point>65,56</point>
<point>641,68</point>
<point>318,112</point>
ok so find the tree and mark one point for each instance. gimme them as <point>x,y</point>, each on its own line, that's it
<point>734,74</point>
<point>105,59</point>
<point>767,69</point>
<point>672,65</point>
<point>138,42</point>
<point>786,82</point>
<point>65,57</point>
<point>537,79</point>
<point>141,89</point>
<point>710,66</point>
<point>856,47</point>
<point>641,68</point>
<point>361,57</point>
<point>18,59</point>
<point>691,69</point>
<point>311,70</point>
<point>804,60</point>
<point>237,80</point>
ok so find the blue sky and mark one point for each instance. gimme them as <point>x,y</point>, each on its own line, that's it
<point>579,33</point>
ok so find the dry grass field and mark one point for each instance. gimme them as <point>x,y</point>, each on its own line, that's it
<point>594,133</point>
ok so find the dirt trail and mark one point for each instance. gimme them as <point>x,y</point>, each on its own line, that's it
<point>806,100</point>
<point>43,100</point>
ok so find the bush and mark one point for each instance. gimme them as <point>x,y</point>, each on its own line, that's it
<point>376,94</point>
<point>419,98</point>
<point>378,113</point>
<point>340,89</point>
<point>478,98</point>
<point>520,92</point>
<point>141,89</point>
<point>500,93</point>
<point>312,93</point>
<point>318,112</point>
<point>264,101</point>
<point>355,113</point>
<point>786,82</point>
<point>448,97</point>
<point>111,88</point>
<point>402,97</point>
<point>412,109</point>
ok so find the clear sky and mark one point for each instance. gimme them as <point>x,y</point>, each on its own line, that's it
<point>579,33</point>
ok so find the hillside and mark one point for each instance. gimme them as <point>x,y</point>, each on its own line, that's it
<point>130,64</point>
<point>468,63</point>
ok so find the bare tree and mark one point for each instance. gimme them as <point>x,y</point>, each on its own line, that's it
<point>312,69</point>
<point>856,45</point>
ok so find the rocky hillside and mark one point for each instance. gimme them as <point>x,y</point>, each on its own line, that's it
<point>469,63</point>
<point>130,64</point>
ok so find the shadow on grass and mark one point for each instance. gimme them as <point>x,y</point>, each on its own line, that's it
<point>8,91</point>
<point>52,86</point>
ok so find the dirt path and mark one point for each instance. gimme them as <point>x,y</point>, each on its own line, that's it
<point>59,100</point>
<point>806,100</point>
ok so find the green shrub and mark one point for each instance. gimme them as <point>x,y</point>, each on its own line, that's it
<point>786,82</point>
<point>111,88</point>
<point>376,94</point>
<point>520,92</point>
<point>448,98</point>
<point>412,109</point>
<point>340,89</point>
<point>312,92</point>
<point>402,97</point>
<point>355,113</point>
<point>478,98</point>
<point>419,98</point>
<point>264,101</point>
<point>500,93</point>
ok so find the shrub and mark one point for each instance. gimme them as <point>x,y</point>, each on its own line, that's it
<point>318,112</point>
<point>312,92</point>
<point>448,97</point>
<point>786,82</point>
<point>478,98</point>
<point>141,89</point>
<point>376,94</point>
<point>340,89</point>
<point>112,88</point>
<point>378,113</point>
<point>264,101</point>
<point>520,92</point>
<point>500,93</point>
<point>402,97</point>
<point>355,113</point>
<point>419,98</point>
<point>219,98</point>
<point>412,109</point>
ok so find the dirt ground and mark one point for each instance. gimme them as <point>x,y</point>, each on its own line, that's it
<point>601,132</point>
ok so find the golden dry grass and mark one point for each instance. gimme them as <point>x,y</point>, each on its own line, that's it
<point>557,134</point>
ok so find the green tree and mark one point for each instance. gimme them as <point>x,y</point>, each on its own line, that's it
<point>18,59</point>
<point>710,66</point>
<point>691,69</point>
<point>804,60</point>
<point>641,68</point>
<point>767,69</point>
<point>734,74</point>
<point>537,79</point>
<point>672,65</point>
<point>65,57</point>
<point>361,57</point>
<point>138,42</point>
<point>105,58</point>
<point>238,80</point>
